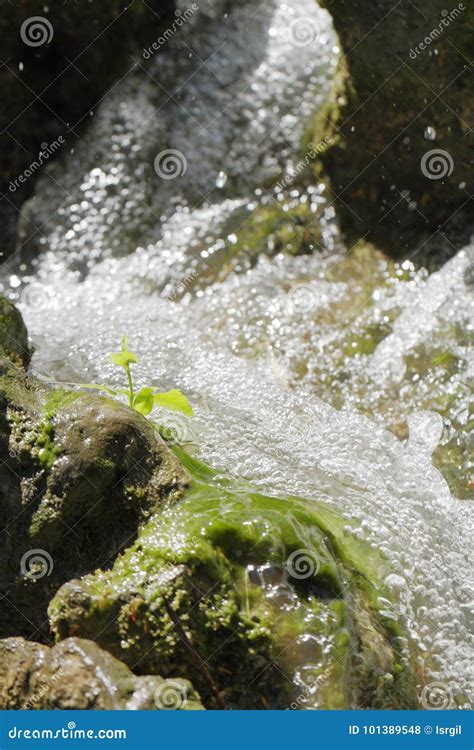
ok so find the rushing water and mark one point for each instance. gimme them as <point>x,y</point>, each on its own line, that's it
<point>265,351</point>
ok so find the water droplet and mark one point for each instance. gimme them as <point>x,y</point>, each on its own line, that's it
<point>430,133</point>
<point>221,180</point>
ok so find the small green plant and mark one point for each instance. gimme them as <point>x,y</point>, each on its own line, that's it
<point>146,399</point>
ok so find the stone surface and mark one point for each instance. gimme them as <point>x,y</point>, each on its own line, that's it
<point>13,334</point>
<point>249,596</point>
<point>402,103</point>
<point>79,474</point>
<point>78,675</point>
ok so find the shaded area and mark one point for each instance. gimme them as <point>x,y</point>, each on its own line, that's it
<point>54,68</point>
<point>409,94</point>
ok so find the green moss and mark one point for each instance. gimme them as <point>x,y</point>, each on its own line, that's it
<point>322,128</point>
<point>209,588</point>
<point>47,449</point>
<point>73,465</point>
<point>288,227</point>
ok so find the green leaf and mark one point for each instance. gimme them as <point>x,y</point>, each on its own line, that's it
<point>174,401</point>
<point>144,401</point>
<point>96,387</point>
<point>123,358</point>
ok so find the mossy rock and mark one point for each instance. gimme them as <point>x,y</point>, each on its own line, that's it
<point>79,473</point>
<point>249,595</point>
<point>78,675</point>
<point>259,602</point>
<point>402,102</point>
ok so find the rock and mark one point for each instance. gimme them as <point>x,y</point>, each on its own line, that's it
<point>248,595</point>
<point>172,570</point>
<point>402,165</point>
<point>79,474</point>
<point>13,334</point>
<point>78,675</point>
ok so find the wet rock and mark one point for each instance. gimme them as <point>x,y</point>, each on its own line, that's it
<point>13,334</point>
<point>78,675</point>
<point>79,474</point>
<point>257,601</point>
<point>254,600</point>
<point>403,160</point>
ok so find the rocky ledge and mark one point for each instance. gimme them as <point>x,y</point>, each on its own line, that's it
<point>152,572</point>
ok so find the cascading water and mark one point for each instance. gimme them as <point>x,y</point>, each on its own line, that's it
<point>123,250</point>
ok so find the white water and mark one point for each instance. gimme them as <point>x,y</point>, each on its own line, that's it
<point>241,117</point>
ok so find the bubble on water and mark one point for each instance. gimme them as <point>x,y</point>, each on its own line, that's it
<point>426,429</point>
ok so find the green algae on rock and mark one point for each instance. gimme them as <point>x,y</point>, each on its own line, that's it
<point>254,598</point>
<point>79,474</point>
<point>78,675</point>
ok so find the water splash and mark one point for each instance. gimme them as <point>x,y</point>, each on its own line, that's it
<point>255,350</point>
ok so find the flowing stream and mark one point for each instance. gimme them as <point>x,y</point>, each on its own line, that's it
<point>262,347</point>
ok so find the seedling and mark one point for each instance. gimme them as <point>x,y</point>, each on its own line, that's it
<point>146,399</point>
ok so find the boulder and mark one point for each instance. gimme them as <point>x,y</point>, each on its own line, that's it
<point>79,474</point>
<point>13,334</point>
<point>78,675</point>
<point>172,569</point>
<point>254,598</point>
<point>402,163</point>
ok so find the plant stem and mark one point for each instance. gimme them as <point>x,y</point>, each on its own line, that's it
<point>130,386</point>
